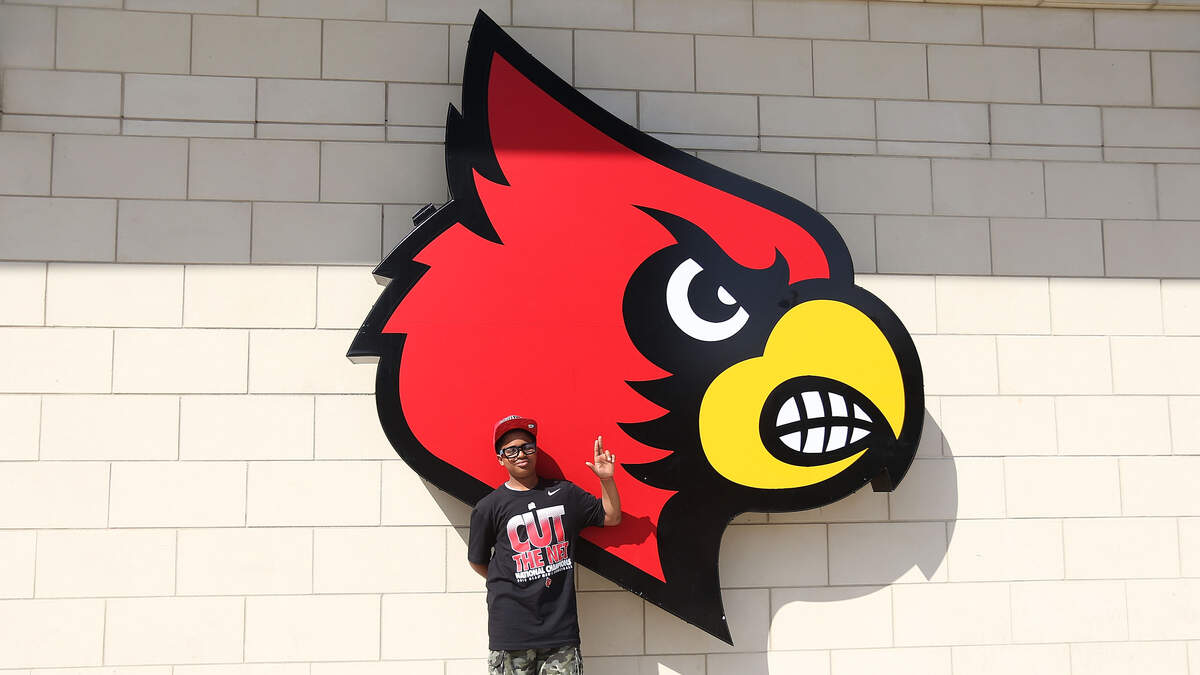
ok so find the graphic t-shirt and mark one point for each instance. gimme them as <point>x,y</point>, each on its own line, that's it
<point>527,538</point>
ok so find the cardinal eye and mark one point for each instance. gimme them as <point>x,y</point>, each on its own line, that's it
<point>679,286</point>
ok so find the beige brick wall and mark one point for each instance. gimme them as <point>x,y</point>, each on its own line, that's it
<point>192,193</point>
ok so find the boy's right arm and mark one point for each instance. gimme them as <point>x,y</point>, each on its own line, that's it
<point>479,542</point>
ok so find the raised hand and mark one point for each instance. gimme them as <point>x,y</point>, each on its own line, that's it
<point>602,463</point>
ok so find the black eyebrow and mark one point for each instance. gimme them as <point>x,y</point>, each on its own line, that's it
<point>693,238</point>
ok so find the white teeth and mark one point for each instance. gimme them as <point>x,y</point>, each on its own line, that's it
<point>837,438</point>
<point>812,404</point>
<point>837,405</point>
<point>815,443</point>
<point>792,440</point>
<point>788,413</point>
<point>818,437</point>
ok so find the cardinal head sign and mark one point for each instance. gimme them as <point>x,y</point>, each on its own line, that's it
<point>606,283</point>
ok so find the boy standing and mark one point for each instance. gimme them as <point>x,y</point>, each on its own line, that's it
<point>522,538</point>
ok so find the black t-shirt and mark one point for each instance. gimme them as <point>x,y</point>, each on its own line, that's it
<point>531,579</point>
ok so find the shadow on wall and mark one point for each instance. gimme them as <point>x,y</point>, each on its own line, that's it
<point>790,581</point>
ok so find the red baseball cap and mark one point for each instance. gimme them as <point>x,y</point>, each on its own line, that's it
<point>513,422</point>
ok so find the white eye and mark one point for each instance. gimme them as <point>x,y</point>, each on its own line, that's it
<point>686,318</point>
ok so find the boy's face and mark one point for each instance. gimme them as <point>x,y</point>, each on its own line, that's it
<point>522,465</point>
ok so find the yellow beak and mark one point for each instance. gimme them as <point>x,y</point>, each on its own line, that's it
<point>821,338</point>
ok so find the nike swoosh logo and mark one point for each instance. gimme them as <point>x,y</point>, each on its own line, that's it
<point>551,492</point>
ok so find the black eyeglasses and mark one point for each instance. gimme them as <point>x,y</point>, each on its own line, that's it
<point>512,451</point>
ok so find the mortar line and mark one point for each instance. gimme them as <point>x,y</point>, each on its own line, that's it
<point>247,366</point>
<point>246,498</point>
<point>36,536</point>
<point>50,188</point>
<point>191,41</point>
<point>1045,194</point>
<point>183,271</point>
<point>991,248</point>
<point>758,127</point>
<point>892,607</point>
<point>108,501</point>
<point>828,555</point>
<point>1004,489</point>
<point>929,160</point>
<point>1157,207</point>
<point>1041,80</point>
<point>645,606</point>
<point>947,530</point>
<point>250,258</point>
<point>927,78</point>
<point>41,424</point>
<point>574,72</point>
<point>45,291</point>
<point>187,167</point>
<point>1150,67</point>
<point>875,237</point>
<point>116,231</point>
<point>257,86</point>
<point>695,79</point>
<point>996,353</point>
<point>1120,486</point>
<point>112,361</point>
<point>1103,252</point>
<point>812,67</point>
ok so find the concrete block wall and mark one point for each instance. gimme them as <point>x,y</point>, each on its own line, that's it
<point>192,194</point>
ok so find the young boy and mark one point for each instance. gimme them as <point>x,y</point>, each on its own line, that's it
<point>522,538</point>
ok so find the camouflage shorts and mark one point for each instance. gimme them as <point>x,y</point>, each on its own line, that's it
<point>563,660</point>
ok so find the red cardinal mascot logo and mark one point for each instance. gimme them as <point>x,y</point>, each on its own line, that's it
<point>603,282</point>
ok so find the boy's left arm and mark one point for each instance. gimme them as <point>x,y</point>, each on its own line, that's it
<point>603,465</point>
